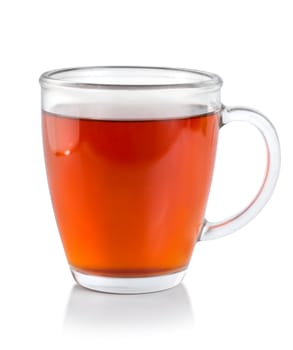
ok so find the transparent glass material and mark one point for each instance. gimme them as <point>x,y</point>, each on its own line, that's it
<point>129,154</point>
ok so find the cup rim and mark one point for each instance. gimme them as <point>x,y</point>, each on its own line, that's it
<point>183,78</point>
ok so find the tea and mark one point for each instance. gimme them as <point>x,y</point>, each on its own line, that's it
<point>129,195</point>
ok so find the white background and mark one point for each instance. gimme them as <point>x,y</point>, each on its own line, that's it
<point>238,291</point>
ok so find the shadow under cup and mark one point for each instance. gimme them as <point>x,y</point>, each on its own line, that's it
<point>129,156</point>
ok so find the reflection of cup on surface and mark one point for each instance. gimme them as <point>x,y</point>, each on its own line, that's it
<point>130,154</point>
<point>142,312</point>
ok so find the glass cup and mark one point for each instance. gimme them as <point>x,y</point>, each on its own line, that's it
<point>129,154</point>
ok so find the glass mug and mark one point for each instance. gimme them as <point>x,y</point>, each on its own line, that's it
<point>129,154</point>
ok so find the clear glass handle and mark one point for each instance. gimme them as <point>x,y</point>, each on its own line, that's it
<point>233,114</point>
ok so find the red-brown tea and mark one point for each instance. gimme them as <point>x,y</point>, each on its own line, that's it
<point>129,196</point>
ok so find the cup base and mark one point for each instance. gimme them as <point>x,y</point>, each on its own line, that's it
<point>127,285</point>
